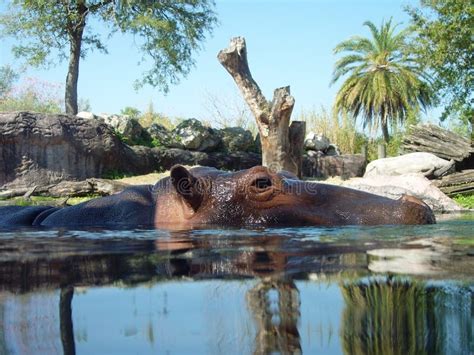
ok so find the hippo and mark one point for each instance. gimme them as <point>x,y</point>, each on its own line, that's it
<point>246,198</point>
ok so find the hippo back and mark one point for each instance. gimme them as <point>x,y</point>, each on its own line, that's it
<point>135,206</point>
<point>18,216</point>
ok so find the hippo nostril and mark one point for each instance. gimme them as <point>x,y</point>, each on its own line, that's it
<point>262,183</point>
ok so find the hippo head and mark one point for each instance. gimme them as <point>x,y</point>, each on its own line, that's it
<point>260,197</point>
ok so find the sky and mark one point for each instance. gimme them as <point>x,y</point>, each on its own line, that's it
<point>289,42</point>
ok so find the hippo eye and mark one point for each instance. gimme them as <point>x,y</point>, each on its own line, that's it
<point>262,183</point>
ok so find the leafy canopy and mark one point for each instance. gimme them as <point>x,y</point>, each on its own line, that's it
<point>444,33</point>
<point>166,31</point>
<point>383,83</point>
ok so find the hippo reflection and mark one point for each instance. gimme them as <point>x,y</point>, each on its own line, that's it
<point>207,196</point>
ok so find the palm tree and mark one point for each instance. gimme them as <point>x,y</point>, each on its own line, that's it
<point>384,82</point>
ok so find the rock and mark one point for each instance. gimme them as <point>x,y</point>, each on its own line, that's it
<point>257,144</point>
<point>166,158</point>
<point>425,163</point>
<point>314,141</point>
<point>40,149</point>
<point>332,150</point>
<point>440,142</point>
<point>316,164</point>
<point>162,137</point>
<point>461,183</point>
<point>129,129</point>
<point>412,184</point>
<point>236,139</point>
<point>87,115</point>
<point>194,136</point>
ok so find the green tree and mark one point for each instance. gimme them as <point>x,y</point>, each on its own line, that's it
<point>444,32</point>
<point>383,82</point>
<point>7,78</point>
<point>167,31</point>
<point>131,112</point>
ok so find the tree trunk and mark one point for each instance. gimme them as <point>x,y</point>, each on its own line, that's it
<point>273,118</point>
<point>386,136</point>
<point>72,78</point>
<point>76,30</point>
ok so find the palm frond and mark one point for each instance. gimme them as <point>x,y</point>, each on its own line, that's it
<point>383,83</point>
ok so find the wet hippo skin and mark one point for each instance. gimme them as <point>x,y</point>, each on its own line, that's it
<point>206,196</point>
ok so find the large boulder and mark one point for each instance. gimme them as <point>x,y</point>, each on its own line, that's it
<point>236,139</point>
<point>129,129</point>
<point>87,115</point>
<point>317,142</point>
<point>195,136</point>
<point>39,149</point>
<point>424,163</point>
<point>161,137</point>
<point>412,184</point>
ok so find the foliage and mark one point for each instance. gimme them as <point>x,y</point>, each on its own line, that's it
<point>114,175</point>
<point>383,82</point>
<point>392,148</point>
<point>7,78</point>
<point>399,315</point>
<point>150,116</point>
<point>466,201</point>
<point>339,129</point>
<point>33,95</point>
<point>443,41</point>
<point>131,112</point>
<point>167,33</point>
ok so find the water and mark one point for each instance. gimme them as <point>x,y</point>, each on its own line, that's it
<point>353,290</point>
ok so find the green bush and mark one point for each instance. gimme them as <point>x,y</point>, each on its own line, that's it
<point>466,201</point>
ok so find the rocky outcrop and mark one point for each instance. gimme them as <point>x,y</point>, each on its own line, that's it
<point>440,142</point>
<point>236,139</point>
<point>195,136</point>
<point>316,142</point>
<point>324,166</point>
<point>166,158</point>
<point>424,163</point>
<point>161,137</point>
<point>129,129</point>
<point>38,149</point>
<point>412,184</point>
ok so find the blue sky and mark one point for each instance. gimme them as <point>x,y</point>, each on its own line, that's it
<point>289,43</point>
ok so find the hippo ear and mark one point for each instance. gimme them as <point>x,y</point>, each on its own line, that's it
<point>187,186</point>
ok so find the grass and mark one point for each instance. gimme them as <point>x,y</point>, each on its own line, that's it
<point>465,201</point>
<point>45,201</point>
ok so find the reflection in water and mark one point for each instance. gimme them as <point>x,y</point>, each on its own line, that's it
<point>394,315</point>
<point>213,292</point>
<point>65,320</point>
<point>276,317</point>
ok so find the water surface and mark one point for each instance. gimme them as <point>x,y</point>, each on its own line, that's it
<point>354,290</point>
